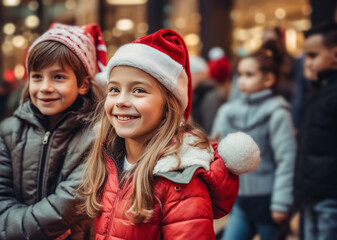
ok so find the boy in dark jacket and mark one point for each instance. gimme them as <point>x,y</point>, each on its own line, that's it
<point>316,166</point>
<point>44,144</point>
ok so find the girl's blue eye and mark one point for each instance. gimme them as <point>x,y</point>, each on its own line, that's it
<point>113,89</point>
<point>138,90</point>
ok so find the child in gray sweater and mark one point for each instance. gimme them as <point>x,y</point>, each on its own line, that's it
<point>265,195</point>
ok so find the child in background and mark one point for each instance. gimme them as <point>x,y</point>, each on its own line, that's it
<point>44,143</point>
<point>316,163</point>
<point>220,70</point>
<point>265,195</point>
<point>149,174</point>
<point>206,97</point>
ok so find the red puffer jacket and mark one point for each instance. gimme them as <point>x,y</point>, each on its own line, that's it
<point>189,198</point>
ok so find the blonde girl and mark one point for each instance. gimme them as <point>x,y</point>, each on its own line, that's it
<point>44,143</point>
<point>148,175</point>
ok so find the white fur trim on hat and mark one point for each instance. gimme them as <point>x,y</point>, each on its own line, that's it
<point>156,63</point>
<point>240,153</point>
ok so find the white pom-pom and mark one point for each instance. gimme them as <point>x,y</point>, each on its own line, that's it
<point>216,53</point>
<point>240,153</point>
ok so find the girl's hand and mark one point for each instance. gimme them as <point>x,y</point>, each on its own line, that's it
<point>279,217</point>
<point>64,235</point>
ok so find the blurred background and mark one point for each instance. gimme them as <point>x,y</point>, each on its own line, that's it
<point>235,25</point>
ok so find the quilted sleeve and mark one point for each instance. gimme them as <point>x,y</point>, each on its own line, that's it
<point>283,143</point>
<point>45,219</point>
<point>7,195</point>
<point>223,186</point>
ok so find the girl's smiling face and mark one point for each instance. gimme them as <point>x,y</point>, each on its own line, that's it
<point>134,104</point>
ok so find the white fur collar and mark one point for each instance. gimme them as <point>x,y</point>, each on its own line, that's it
<point>189,156</point>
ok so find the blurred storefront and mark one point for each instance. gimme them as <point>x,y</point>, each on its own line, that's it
<point>22,21</point>
<point>293,17</point>
<point>235,25</point>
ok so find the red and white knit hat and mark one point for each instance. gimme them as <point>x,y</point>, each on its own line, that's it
<point>86,42</point>
<point>164,56</point>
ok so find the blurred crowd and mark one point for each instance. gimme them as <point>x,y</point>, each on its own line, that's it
<point>287,105</point>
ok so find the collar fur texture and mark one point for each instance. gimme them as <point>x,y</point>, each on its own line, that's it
<point>189,156</point>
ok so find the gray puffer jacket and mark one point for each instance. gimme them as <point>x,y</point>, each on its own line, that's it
<point>39,171</point>
<point>267,119</point>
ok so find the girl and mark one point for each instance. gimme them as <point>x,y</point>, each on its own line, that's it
<point>265,196</point>
<point>43,145</point>
<point>146,176</point>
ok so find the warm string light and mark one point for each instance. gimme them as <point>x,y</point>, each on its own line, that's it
<point>11,3</point>
<point>9,28</point>
<point>126,2</point>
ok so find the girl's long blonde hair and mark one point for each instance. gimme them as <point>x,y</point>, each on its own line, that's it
<point>142,200</point>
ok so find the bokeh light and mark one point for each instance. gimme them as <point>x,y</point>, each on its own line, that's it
<point>124,24</point>
<point>9,28</point>
<point>32,21</point>
<point>33,5</point>
<point>19,71</point>
<point>11,3</point>
<point>280,13</point>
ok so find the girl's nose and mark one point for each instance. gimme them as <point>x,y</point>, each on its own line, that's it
<point>123,100</point>
<point>47,85</point>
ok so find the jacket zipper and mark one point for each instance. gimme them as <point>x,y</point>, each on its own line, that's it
<point>43,161</point>
<point>45,142</point>
<point>46,137</point>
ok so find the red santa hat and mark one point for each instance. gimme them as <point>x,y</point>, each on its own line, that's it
<point>86,42</point>
<point>219,65</point>
<point>164,56</point>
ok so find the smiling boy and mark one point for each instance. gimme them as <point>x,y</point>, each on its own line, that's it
<point>316,165</point>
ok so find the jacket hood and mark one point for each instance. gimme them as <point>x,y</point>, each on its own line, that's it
<point>191,159</point>
<point>266,102</point>
<point>238,151</point>
<point>189,156</point>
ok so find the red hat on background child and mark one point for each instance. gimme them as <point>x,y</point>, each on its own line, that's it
<point>219,66</point>
<point>164,56</point>
<point>86,42</point>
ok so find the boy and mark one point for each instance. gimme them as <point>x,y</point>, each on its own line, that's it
<point>44,144</point>
<point>316,165</point>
